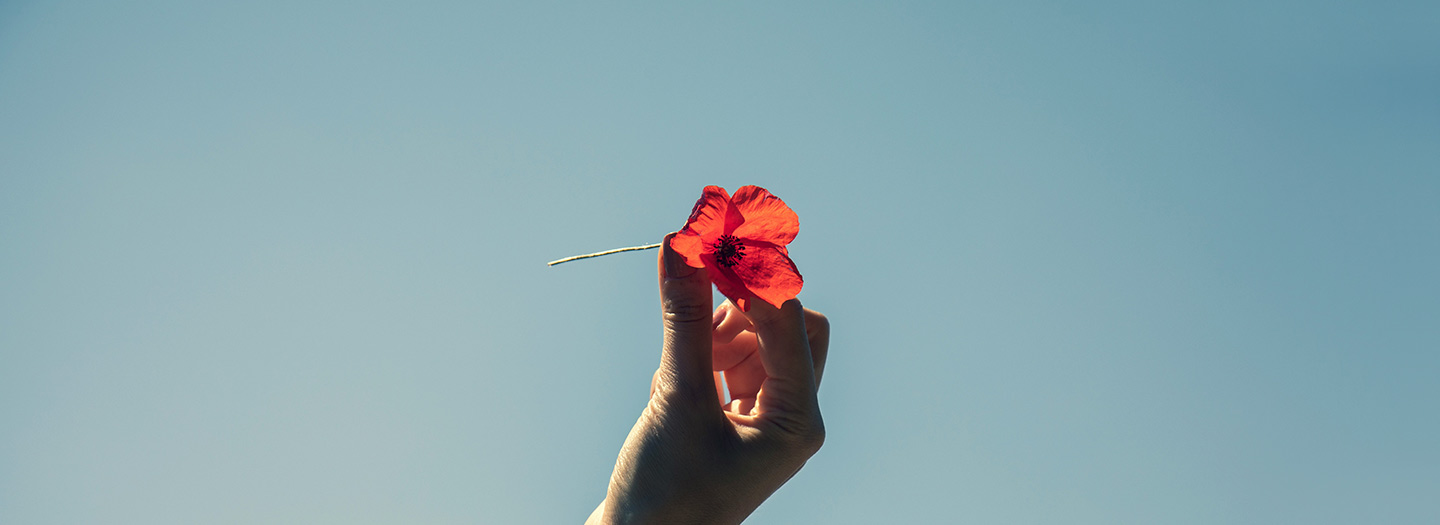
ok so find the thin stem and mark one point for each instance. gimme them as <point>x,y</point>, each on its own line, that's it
<point>606,252</point>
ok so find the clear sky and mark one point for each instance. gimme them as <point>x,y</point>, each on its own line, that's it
<point>1090,263</point>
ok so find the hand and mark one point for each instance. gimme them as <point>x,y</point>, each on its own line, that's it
<point>691,458</point>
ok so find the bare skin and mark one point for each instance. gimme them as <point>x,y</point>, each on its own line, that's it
<point>692,457</point>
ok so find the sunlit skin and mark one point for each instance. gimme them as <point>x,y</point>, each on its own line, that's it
<point>694,458</point>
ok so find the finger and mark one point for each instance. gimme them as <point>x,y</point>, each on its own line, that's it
<point>817,330</point>
<point>729,354</point>
<point>732,352</point>
<point>729,322</point>
<point>719,390</point>
<point>686,312</point>
<point>741,407</point>
<point>744,379</point>
<point>730,343</point>
<point>784,344</point>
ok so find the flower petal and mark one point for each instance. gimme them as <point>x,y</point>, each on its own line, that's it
<point>767,218</point>
<point>706,224</point>
<point>690,246</point>
<point>729,284</point>
<point>710,211</point>
<point>767,272</point>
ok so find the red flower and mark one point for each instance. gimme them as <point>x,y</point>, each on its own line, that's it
<point>742,241</point>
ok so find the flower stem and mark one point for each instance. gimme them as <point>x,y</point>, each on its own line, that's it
<point>606,252</point>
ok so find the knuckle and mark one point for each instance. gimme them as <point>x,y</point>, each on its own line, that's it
<point>804,435</point>
<point>808,440</point>
<point>812,438</point>
<point>816,323</point>
<point>669,390</point>
<point>812,441</point>
<point>790,314</point>
<point>773,323</point>
<point>683,311</point>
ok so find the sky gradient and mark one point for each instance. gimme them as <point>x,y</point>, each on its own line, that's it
<point>283,262</point>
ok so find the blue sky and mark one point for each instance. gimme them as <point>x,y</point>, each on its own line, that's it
<point>1105,263</point>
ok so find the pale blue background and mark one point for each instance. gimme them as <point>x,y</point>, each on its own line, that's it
<point>1086,262</point>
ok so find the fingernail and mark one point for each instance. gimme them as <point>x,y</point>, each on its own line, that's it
<point>675,267</point>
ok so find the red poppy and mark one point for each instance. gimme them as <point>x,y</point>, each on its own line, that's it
<point>742,241</point>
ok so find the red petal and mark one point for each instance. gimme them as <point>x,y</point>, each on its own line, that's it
<point>729,284</point>
<point>767,272</point>
<point>710,212</point>
<point>767,218</point>
<point>690,246</point>
<point>706,224</point>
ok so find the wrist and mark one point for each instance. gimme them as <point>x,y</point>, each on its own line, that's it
<point>623,510</point>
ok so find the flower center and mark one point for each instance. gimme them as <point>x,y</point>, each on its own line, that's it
<point>729,251</point>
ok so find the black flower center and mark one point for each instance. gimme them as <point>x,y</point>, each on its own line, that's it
<point>729,251</point>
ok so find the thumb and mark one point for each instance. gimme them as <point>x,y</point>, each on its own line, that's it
<point>685,303</point>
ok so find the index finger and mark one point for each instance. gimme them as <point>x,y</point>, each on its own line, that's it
<point>784,344</point>
<point>730,349</point>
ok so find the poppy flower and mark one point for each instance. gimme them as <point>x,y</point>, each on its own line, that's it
<point>742,240</point>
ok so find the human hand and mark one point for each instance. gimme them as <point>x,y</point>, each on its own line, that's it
<point>691,458</point>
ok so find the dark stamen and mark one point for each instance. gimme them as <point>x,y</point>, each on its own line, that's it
<point>729,251</point>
